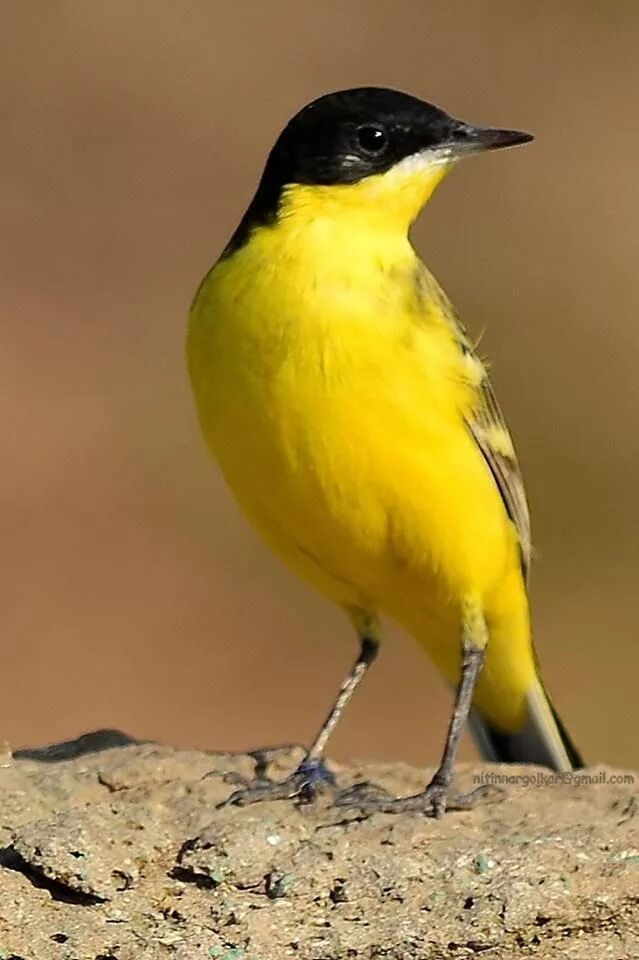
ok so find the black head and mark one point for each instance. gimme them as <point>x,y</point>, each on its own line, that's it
<point>343,137</point>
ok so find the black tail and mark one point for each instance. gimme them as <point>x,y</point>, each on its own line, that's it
<point>543,739</point>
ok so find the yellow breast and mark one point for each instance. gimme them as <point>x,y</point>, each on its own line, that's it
<point>332,392</point>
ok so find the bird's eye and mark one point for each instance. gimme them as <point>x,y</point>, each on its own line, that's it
<point>371,139</point>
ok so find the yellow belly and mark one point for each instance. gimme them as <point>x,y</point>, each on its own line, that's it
<point>338,421</point>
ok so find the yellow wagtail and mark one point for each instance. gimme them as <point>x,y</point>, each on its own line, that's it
<point>358,430</point>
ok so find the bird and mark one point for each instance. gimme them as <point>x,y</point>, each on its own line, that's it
<point>355,423</point>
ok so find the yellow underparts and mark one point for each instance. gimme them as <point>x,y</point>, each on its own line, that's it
<point>332,391</point>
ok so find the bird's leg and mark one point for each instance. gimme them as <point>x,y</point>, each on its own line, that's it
<point>435,800</point>
<point>312,775</point>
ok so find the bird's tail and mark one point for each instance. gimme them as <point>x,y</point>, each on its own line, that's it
<point>543,738</point>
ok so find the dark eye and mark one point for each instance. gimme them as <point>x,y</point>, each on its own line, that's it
<point>371,138</point>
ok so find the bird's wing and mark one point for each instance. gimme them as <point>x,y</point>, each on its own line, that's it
<point>489,429</point>
<point>487,425</point>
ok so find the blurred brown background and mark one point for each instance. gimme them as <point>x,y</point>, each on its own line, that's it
<point>132,593</point>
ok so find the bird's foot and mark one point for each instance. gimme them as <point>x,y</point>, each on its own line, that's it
<point>311,778</point>
<point>433,801</point>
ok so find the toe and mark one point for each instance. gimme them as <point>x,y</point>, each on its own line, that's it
<point>362,795</point>
<point>310,779</point>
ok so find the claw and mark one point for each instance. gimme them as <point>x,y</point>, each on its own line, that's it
<point>304,784</point>
<point>433,801</point>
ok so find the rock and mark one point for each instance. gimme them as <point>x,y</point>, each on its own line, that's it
<point>115,850</point>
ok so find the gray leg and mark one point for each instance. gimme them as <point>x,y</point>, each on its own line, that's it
<point>368,651</point>
<point>312,774</point>
<point>434,800</point>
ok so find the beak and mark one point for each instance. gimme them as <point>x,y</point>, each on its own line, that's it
<point>465,139</point>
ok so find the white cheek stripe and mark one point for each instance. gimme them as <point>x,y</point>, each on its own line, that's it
<point>416,163</point>
<point>424,160</point>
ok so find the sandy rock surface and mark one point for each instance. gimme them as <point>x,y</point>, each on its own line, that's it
<point>114,850</point>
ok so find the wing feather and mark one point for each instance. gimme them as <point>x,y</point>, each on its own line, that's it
<point>489,429</point>
<point>486,422</point>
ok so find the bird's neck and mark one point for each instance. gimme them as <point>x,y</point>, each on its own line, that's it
<point>340,237</point>
<point>366,210</point>
<point>378,210</point>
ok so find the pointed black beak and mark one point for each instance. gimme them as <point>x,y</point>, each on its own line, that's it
<point>465,139</point>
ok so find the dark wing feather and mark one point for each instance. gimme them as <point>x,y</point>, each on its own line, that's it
<point>486,420</point>
<point>486,423</point>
